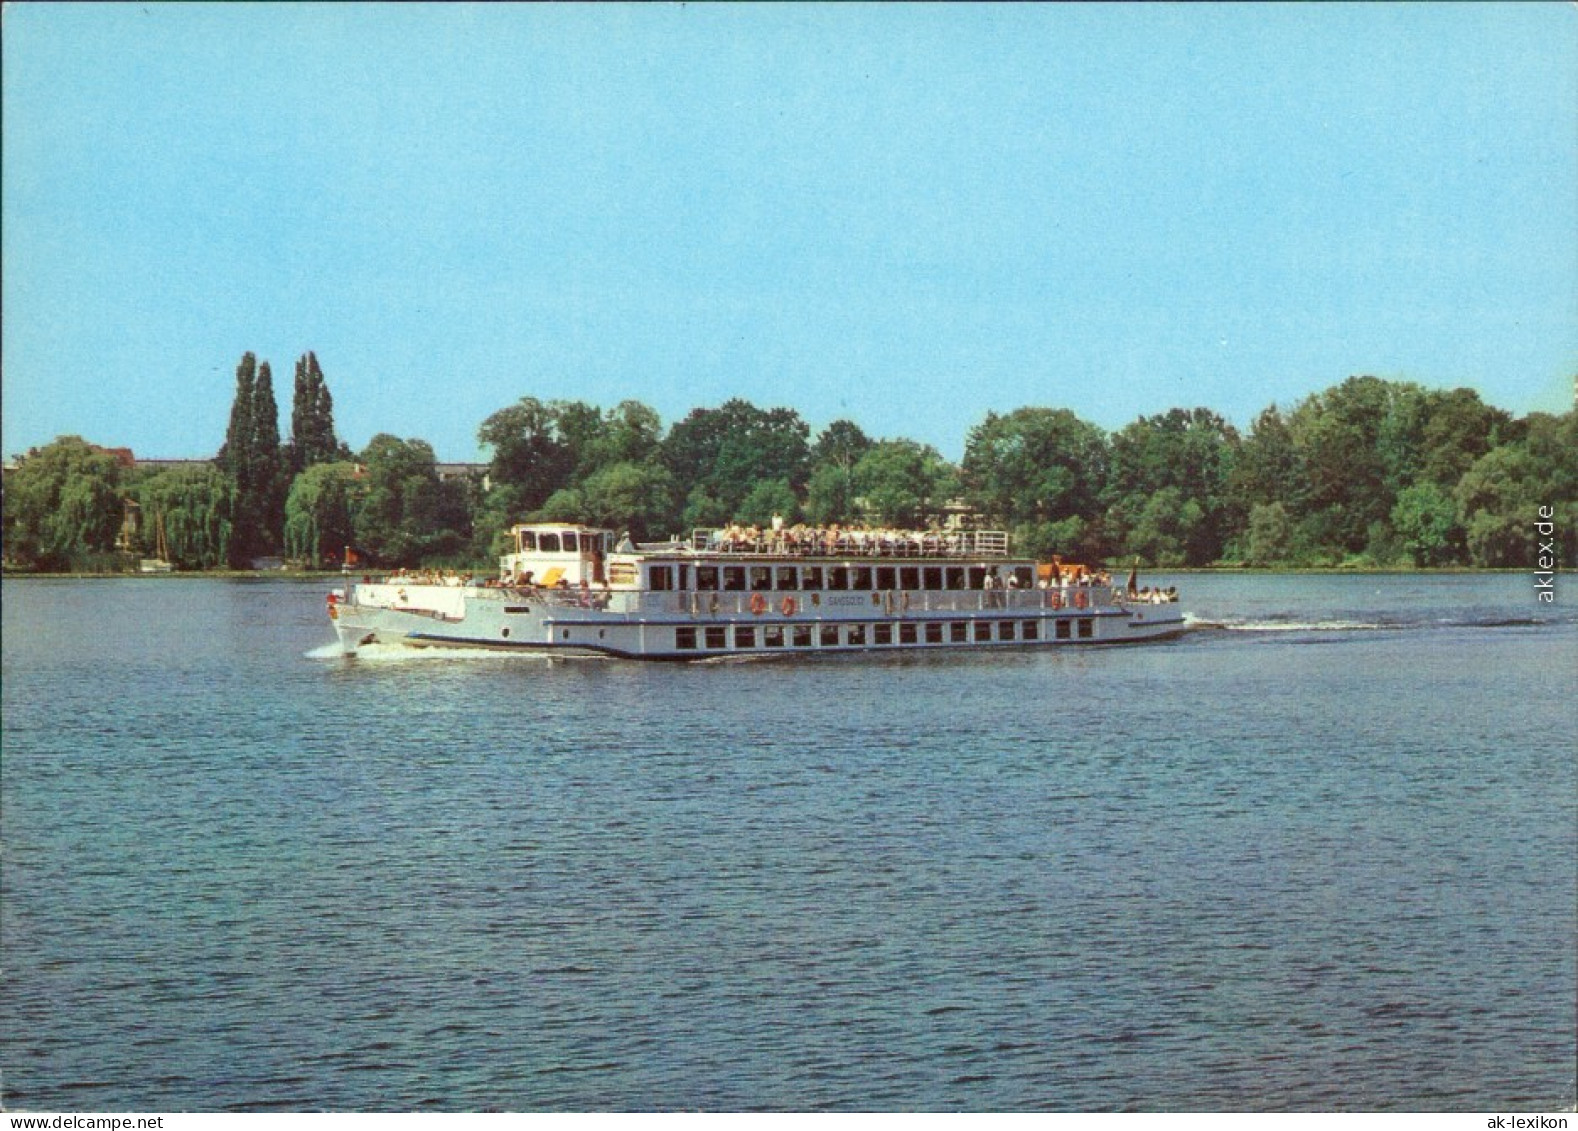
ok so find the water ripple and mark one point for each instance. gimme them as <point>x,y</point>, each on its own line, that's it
<point>1236,873</point>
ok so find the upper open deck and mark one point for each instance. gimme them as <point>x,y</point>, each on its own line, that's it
<point>550,554</point>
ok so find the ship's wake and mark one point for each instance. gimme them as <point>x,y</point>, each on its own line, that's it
<point>1302,623</point>
<point>377,653</point>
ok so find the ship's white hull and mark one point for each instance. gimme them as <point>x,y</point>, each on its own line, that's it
<point>678,626</point>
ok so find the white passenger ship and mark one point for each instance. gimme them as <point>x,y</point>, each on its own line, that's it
<point>571,589</point>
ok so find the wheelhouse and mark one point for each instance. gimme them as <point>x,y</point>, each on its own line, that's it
<point>558,555</point>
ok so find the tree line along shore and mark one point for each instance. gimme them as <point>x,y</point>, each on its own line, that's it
<point>1366,474</point>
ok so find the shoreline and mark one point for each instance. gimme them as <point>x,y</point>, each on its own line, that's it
<point>323,575</point>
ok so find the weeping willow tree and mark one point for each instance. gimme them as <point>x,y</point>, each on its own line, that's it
<point>196,507</point>
<point>318,513</point>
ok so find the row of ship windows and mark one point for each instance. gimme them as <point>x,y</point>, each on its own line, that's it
<point>764,578</point>
<point>864,635</point>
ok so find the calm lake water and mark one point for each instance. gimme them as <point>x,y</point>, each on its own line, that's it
<point>1317,855</point>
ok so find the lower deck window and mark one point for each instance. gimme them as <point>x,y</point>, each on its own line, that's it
<point>717,637</point>
<point>685,638</point>
<point>983,630</point>
<point>882,634</point>
<point>1030,630</point>
<point>829,636</point>
<point>1005,630</point>
<point>959,632</point>
<point>802,636</point>
<point>934,634</point>
<point>907,634</point>
<point>1062,630</point>
<point>745,637</point>
<point>1087,628</point>
<point>857,634</point>
<point>773,636</point>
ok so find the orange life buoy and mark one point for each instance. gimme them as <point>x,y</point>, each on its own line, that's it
<point>788,606</point>
<point>758,604</point>
<point>1057,600</point>
<point>1079,600</point>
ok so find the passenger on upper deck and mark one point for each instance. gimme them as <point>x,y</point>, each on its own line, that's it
<point>834,539</point>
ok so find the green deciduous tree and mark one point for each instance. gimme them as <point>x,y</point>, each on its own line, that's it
<point>62,503</point>
<point>1269,539</point>
<point>1165,528</point>
<point>1268,467</point>
<point>1035,465</point>
<point>1338,433</point>
<point>903,483</point>
<point>545,454</point>
<point>633,498</point>
<point>404,514</point>
<point>1498,498</point>
<point>830,489</point>
<point>1425,521</point>
<point>531,457</point>
<point>632,433</point>
<point>767,499</point>
<point>830,495</point>
<point>1191,455</point>
<point>724,452</point>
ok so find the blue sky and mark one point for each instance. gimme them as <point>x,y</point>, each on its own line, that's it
<point>904,216</point>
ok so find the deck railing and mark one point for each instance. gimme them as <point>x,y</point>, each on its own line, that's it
<point>842,605</point>
<point>854,544</point>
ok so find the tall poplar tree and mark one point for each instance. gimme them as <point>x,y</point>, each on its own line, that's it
<point>234,454</point>
<point>312,438</point>
<point>251,456</point>
<point>271,478</point>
